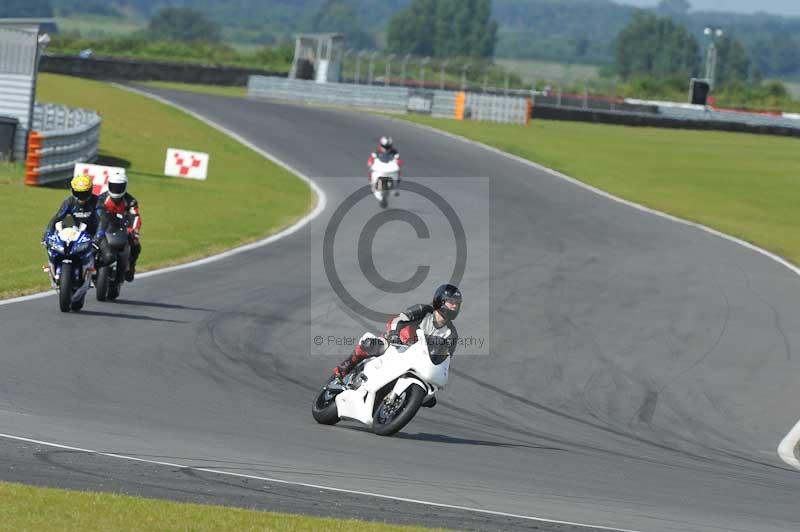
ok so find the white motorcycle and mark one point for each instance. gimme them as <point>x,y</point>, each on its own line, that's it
<point>384,177</point>
<point>386,392</point>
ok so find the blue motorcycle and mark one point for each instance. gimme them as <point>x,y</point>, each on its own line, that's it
<point>71,257</point>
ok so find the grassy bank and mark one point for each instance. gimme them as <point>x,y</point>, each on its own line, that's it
<point>245,197</point>
<point>744,185</point>
<point>45,509</point>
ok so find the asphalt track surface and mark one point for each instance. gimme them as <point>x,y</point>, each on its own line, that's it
<point>642,372</point>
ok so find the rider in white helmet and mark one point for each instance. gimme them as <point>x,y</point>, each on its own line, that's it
<point>117,200</point>
<point>385,149</point>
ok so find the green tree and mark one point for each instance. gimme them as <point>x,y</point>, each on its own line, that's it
<point>733,63</point>
<point>673,8</point>
<point>413,30</point>
<point>339,16</point>
<point>183,24</point>
<point>444,28</point>
<point>655,46</point>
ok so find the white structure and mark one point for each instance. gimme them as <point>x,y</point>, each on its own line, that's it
<point>20,48</point>
<point>318,56</point>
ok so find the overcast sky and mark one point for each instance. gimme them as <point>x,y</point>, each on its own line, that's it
<point>779,7</point>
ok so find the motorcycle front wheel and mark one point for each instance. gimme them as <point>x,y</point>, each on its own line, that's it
<point>65,288</point>
<point>391,416</point>
<point>324,407</point>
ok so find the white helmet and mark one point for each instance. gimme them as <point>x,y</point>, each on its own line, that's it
<point>386,143</point>
<point>117,184</point>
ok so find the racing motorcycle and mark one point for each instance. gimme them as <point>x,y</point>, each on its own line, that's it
<point>386,392</point>
<point>111,267</point>
<point>71,263</point>
<point>384,177</point>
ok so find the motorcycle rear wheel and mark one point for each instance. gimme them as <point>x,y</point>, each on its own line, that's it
<point>101,287</point>
<point>390,419</point>
<point>65,288</point>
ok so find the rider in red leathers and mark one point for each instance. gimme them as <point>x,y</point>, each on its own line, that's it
<point>117,200</point>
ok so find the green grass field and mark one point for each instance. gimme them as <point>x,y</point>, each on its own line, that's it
<point>99,26</point>
<point>244,199</point>
<point>744,185</point>
<point>26,508</point>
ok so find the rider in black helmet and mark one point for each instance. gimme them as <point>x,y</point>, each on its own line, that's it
<point>436,319</point>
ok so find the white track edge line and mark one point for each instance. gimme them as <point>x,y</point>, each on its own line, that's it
<point>319,207</point>
<point>315,486</point>
<point>788,445</point>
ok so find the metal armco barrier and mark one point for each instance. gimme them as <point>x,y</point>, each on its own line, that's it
<point>60,138</point>
<point>494,108</point>
<point>296,90</point>
<point>600,116</point>
<point>440,103</point>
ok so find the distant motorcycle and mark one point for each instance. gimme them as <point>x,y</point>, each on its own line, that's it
<point>71,262</point>
<point>111,266</point>
<point>384,177</point>
<point>386,392</point>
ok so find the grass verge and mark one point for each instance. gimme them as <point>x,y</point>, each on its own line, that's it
<point>742,184</point>
<point>217,90</point>
<point>244,199</point>
<point>47,509</point>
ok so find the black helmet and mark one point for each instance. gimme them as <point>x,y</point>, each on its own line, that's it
<point>447,293</point>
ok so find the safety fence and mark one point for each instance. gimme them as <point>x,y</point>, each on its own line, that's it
<point>440,103</point>
<point>60,138</point>
<point>635,112</point>
<point>116,68</point>
<point>709,114</point>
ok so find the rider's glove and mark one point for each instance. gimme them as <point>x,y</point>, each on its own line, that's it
<point>393,337</point>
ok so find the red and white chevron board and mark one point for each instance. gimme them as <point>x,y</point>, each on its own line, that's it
<point>98,173</point>
<point>184,163</point>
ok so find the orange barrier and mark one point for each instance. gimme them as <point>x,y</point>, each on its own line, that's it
<point>34,156</point>
<point>461,104</point>
<point>529,112</point>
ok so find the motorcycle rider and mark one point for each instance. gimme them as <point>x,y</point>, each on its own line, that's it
<point>435,319</point>
<point>81,205</point>
<point>385,146</point>
<point>117,200</point>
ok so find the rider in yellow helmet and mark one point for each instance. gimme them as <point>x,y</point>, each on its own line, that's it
<point>81,205</point>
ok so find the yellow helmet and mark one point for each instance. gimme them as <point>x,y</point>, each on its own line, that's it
<point>81,187</point>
